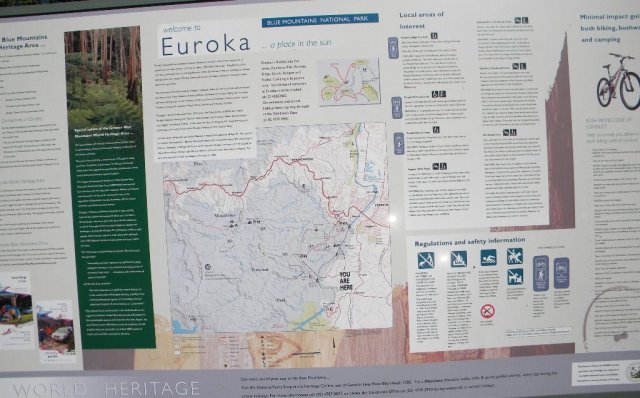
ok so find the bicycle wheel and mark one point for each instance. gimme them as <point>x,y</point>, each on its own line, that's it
<point>604,92</point>
<point>630,90</point>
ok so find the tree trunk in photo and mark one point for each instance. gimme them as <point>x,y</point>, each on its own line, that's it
<point>112,45</point>
<point>132,71</point>
<point>96,54</point>
<point>93,51</point>
<point>84,47</point>
<point>95,44</point>
<point>105,56</point>
<point>115,53</point>
<point>122,58</point>
<point>68,41</point>
<point>83,50</point>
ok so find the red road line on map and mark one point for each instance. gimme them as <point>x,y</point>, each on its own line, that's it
<point>265,174</point>
<point>340,74</point>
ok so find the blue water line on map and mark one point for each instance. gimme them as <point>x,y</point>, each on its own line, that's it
<point>311,318</point>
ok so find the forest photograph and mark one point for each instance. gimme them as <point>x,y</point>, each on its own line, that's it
<point>104,78</point>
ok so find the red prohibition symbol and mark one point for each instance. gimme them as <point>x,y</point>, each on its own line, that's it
<point>487,311</point>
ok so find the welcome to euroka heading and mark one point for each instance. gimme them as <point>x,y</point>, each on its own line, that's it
<point>111,389</point>
<point>207,45</point>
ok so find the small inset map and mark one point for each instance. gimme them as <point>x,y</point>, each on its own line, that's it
<point>349,81</point>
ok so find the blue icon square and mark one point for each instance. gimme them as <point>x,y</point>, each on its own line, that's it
<point>561,273</point>
<point>488,257</point>
<point>540,273</point>
<point>396,107</point>
<point>394,51</point>
<point>515,276</point>
<point>515,256</point>
<point>398,143</point>
<point>459,258</point>
<point>426,260</point>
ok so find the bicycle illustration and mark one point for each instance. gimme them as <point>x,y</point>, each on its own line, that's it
<point>629,84</point>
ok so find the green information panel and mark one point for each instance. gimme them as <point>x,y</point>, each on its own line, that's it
<point>108,188</point>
